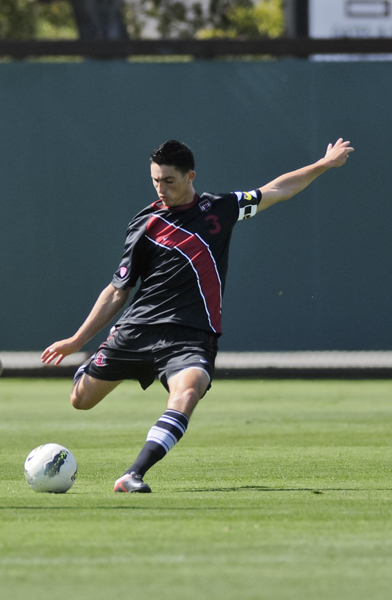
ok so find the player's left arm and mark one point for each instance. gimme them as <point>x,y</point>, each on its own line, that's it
<point>286,186</point>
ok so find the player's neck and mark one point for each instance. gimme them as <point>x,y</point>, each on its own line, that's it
<point>188,198</point>
<point>181,201</point>
<point>188,204</point>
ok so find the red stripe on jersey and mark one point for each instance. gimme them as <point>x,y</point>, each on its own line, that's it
<point>198,254</point>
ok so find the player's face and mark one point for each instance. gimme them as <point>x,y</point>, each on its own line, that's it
<point>173,188</point>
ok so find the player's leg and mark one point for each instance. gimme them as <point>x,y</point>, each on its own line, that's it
<point>186,387</point>
<point>87,391</point>
<point>96,378</point>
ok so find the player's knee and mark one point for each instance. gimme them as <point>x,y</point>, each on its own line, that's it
<point>192,396</point>
<point>184,400</point>
<point>78,401</point>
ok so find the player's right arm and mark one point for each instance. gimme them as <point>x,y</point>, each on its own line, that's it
<point>288,185</point>
<point>109,302</point>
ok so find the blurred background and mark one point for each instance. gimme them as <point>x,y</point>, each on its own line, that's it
<point>88,88</point>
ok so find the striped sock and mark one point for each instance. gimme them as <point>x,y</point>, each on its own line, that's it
<point>161,438</point>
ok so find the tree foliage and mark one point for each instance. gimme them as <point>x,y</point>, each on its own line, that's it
<point>27,19</point>
<point>118,19</point>
<point>17,19</point>
<point>174,18</point>
<point>218,18</point>
<point>243,18</point>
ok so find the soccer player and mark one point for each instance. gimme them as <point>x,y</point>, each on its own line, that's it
<point>178,248</point>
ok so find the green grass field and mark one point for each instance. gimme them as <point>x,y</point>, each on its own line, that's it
<point>280,490</point>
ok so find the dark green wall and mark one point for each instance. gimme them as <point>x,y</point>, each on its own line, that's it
<point>312,273</point>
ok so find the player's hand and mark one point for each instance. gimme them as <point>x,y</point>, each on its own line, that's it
<point>338,153</point>
<point>59,350</point>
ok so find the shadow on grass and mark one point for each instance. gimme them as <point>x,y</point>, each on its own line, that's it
<point>187,508</point>
<point>258,488</point>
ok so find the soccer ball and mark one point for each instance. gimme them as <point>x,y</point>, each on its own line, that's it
<point>50,468</point>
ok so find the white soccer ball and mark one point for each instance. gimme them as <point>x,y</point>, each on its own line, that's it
<point>50,468</point>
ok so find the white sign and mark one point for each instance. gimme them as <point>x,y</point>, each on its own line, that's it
<point>350,18</point>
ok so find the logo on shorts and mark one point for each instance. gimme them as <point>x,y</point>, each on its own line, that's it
<point>100,360</point>
<point>123,272</point>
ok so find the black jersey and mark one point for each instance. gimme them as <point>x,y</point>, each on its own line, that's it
<point>181,255</point>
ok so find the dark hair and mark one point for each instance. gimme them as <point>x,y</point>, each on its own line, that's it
<point>174,154</point>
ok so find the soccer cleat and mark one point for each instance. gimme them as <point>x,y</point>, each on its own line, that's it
<point>131,482</point>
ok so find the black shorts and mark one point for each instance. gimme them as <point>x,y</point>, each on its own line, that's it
<point>144,352</point>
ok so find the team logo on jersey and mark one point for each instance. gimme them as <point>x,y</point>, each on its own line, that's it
<point>205,205</point>
<point>123,272</point>
<point>100,359</point>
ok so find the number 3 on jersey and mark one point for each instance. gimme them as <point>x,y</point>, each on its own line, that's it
<point>213,222</point>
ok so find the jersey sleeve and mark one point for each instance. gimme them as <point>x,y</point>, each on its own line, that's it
<point>248,203</point>
<point>131,264</point>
